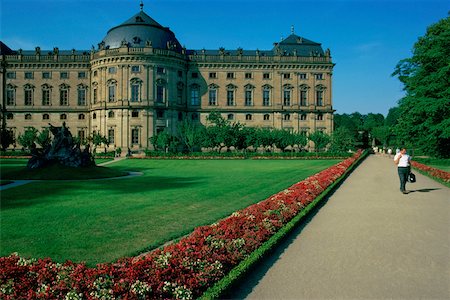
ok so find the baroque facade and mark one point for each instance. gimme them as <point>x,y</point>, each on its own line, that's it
<point>141,81</point>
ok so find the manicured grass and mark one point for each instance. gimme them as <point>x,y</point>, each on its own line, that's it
<point>441,164</point>
<point>100,221</point>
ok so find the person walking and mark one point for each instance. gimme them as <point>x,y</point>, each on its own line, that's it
<point>403,162</point>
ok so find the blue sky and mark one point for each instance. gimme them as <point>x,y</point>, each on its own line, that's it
<point>367,38</point>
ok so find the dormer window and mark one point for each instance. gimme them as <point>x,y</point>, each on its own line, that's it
<point>137,40</point>
<point>139,19</point>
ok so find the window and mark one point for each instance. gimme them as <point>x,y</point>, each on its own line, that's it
<point>46,93</point>
<point>11,75</point>
<point>266,96</point>
<point>212,96</point>
<point>287,96</point>
<point>266,75</point>
<point>63,117</point>
<point>230,117</point>
<point>95,73</point>
<point>318,76</point>
<point>63,75</point>
<point>135,69</point>
<point>230,97</point>
<point>81,134</point>
<point>248,117</point>
<point>94,95</point>
<point>110,114</point>
<point>28,117</point>
<point>135,90</point>
<point>248,96</point>
<point>302,76</point>
<point>64,95</point>
<point>9,116</point>
<point>28,75</point>
<point>81,99</point>
<point>112,92</point>
<point>135,114</point>
<point>194,75</point>
<point>230,75</point>
<point>135,136</point>
<point>159,93</point>
<point>195,95</point>
<point>28,93</point>
<point>180,74</point>
<point>319,98</point>
<point>180,116</point>
<point>46,75</point>
<point>111,136</point>
<point>194,117</point>
<point>94,116</point>
<point>303,97</point>
<point>160,114</point>
<point>266,117</point>
<point>286,75</point>
<point>160,70</point>
<point>112,70</point>
<point>180,88</point>
<point>320,117</point>
<point>82,75</point>
<point>212,75</point>
<point>81,117</point>
<point>303,117</point>
<point>10,95</point>
<point>287,117</point>
<point>248,76</point>
<point>45,117</point>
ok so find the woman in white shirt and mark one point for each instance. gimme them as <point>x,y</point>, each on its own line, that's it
<point>403,162</point>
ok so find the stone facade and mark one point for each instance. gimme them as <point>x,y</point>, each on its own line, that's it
<point>141,86</point>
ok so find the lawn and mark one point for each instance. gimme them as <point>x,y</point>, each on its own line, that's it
<point>101,220</point>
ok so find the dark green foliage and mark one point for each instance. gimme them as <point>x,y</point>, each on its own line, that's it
<point>424,113</point>
<point>28,138</point>
<point>6,138</point>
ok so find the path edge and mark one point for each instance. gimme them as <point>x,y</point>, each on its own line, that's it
<point>223,286</point>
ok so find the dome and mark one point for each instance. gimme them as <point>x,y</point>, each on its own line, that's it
<point>141,31</point>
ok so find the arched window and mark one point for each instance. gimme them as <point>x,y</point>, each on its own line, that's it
<point>46,94</point>
<point>248,117</point>
<point>81,94</point>
<point>9,116</point>
<point>230,117</point>
<point>249,95</point>
<point>27,116</point>
<point>10,94</point>
<point>45,117</point>
<point>94,116</point>
<point>212,100</point>
<point>287,89</point>
<point>266,95</point>
<point>94,92</point>
<point>304,95</point>
<point>320,117</point>
<point>81,117</point>
<point>180,92</point>
<point>303,117</point>
<point>195,94</point>
<point>112,85</point>
<point>63,117</point>
<point>136,84</point>
<point>160,90</point>
<point>287,117</point>
<point>230,94</point>
<point>64,94</point>
<point>28,91</point>
<point>320,89</point>
<point>266,117</point>
<point>110,114</point>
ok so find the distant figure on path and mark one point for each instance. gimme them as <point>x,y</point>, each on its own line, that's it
<point>403,162</point>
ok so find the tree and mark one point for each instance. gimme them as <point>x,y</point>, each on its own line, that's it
<point>190,133</point>
<point>6,138</point>
<point>424,113</point>
<point>44,139</point>
<point>28,138</point>
<point>320,140</point>
<point>342,140</point>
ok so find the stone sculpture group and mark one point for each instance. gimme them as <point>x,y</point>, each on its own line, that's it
<point>63,150</point>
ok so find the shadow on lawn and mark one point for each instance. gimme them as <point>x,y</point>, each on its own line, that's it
<point>41,192</point>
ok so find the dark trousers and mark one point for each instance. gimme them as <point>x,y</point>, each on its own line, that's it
<point>403,173</point>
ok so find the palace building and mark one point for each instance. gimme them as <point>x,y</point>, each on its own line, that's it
<point>141,81</point>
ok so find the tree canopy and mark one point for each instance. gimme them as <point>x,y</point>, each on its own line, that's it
<point>424,113</point>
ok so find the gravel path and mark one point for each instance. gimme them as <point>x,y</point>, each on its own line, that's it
<point>368,242</point>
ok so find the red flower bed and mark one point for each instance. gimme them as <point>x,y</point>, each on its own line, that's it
<point>183,270</point>
<point>445,176</point>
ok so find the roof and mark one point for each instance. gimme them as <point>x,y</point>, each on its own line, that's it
<point>299,45</point>
<point>140,31</point>
<point>5,50</point>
